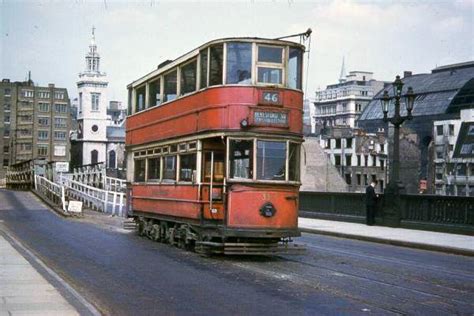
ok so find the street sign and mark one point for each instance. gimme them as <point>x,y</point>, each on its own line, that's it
<point>62,166</point>
<point>75,207</point>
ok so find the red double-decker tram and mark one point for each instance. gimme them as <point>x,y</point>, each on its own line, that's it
<point>213,147</point>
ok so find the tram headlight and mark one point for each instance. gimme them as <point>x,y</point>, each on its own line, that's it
<point>267,210</point>
<point>244,123</point>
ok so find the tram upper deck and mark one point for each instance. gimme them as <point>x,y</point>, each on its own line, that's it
<point>245,84</point>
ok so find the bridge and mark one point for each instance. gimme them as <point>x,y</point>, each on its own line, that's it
<point>90,185</point>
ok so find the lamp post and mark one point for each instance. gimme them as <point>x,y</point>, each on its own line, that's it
<point>395,187</point>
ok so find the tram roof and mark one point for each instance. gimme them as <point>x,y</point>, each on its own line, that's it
<point>195,52</point>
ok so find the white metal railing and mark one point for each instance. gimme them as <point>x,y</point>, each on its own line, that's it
<point>53,191</point>
<point>106,201</point>
<point>115,184</point>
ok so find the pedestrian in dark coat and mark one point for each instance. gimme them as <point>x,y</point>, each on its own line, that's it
<point>371,202</point>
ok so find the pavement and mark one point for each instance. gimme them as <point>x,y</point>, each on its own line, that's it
<point>26,291</point>
<point>443,242</point>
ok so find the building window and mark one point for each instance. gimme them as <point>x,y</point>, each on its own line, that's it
<point>359,160</point>
<point>43,94</point>
<point>42,134</point>
<point>59,135</point>
<point>366,160</point>
<point>43,107</point>
<point>337,160</point>
<point>382,148</point>
<point>348,160</point>
<point>366,180</point>
<point>60,150</point>
<point>42,150</point>
<point>94,156</point>
<point>95,100</point>
<point>188,77</point>
<point>7,92</point>
<point>60,108</point>
<point>60,122</point>
<point>59,95</point>
<point>439,130</point>
<point>451,130</point>
<point>95,128</point>
<point>26,132</point>
<point>348,178</point>
<point>43,121</point>
<point>239,63</point>
<point>374,161</point>
<point>349,143</point>
<point>338,143</point>
<point>25,147</point>
<point>359,179</point>
<point>80,102</point>
<point>27,93</point>
<point>112,163</point>
<point>6,118</point>
<point>6,131</point>
<point>6,149</point>
<point>382,164</point>
<point>26,118</point>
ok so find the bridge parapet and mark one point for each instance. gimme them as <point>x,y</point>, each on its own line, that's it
<point>454,214</point>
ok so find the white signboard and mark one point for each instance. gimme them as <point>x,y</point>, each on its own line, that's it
<point>60,150</point>
<point>62,166</point>
<point>75,207</point>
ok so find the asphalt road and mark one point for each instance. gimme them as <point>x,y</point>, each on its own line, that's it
<point>123,274</point>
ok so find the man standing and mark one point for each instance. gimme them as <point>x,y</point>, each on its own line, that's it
<point>371,202</point>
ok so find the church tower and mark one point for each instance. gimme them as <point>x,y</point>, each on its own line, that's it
<point>92,108</point>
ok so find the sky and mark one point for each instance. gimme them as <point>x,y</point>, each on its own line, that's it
<point>50,37</point>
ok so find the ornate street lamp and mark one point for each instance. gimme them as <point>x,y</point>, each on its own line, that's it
<point>395,187</point>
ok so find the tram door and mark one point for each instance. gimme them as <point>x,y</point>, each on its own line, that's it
<point>212,188</point>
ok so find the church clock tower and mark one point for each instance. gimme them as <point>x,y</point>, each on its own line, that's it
<point>92,109</point>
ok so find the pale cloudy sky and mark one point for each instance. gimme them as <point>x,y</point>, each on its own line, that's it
<point>50,37</point>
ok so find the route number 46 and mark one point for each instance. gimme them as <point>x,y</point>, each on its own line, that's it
<point>271,97</point>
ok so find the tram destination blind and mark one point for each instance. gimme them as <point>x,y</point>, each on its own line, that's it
<point>270,118</point>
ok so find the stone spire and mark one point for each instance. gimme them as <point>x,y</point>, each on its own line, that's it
<point>342,76</point>
<point>92,57</point>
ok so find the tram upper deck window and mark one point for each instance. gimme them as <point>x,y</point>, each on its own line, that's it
<point>203,64</point>
<point>270,54</point>
<point>270,64</point>
<point>271,160</point>
<point>239,63</point>
<point>170,86</point>
<point>241,158</point>
<point>140,99</point>
<point>188,77</point>
<point>215,64</point>
<point>294,68</point>
<point>155,93</point>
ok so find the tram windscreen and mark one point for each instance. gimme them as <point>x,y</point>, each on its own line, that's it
<point>241,156</point>
<point>294,68</point>
<point>271,160</point>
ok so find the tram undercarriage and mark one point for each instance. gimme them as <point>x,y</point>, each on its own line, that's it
<point>213,240</point>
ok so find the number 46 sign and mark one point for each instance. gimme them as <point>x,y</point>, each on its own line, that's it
<point>270,97</point>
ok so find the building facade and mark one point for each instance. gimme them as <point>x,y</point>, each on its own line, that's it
<point>100,135</point>
<point>440,96</point>
<point>453,156</point>
<point>35,122</point>
<point>359,157</point>
<point>341,104</point>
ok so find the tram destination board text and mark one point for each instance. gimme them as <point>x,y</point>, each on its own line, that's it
<point>270,118</point>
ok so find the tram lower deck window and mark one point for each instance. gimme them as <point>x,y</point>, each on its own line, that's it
<point>139,170</point>
<point>271,160</point>
<point>154,165</point>
<point>187,167</point>
<point>241,159</point>
<point>294,162</point>
<point>169,168</point>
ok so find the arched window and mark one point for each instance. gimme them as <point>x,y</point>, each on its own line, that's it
<point>112,159</point>
<point>94,156</point>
